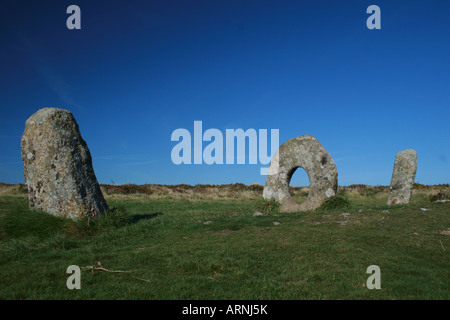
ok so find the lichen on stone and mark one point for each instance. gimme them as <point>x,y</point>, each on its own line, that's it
<point>58,166</point>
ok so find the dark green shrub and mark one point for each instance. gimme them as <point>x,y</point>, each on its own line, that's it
<point>267,206</point>
<point>335,203</point>
<point>439,196</point>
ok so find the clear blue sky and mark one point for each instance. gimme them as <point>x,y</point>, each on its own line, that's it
<point>138,70</point>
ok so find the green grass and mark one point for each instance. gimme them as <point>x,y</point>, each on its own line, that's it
<point>318,254</point>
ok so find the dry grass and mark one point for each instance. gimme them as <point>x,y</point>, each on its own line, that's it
<point>13,189</point>
<point>197,192</point>
<point>232,191</point>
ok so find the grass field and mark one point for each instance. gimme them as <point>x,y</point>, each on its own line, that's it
<point>204,242</point>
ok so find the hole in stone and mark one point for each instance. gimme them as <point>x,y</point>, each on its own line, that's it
<point>299,185</point>
<point>323,160</point>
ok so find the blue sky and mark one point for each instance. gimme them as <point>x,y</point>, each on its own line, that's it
<point>138,70</point>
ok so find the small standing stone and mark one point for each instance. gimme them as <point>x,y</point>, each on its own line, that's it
<point>403,176</point>
<point>58,166</point>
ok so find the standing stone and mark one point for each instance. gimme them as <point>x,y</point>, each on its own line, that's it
<point>307,153</point>
<point>58,166</point>
<point>403,175</point>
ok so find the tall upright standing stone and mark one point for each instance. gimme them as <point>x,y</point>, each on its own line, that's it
<point>403,175</point>
<point>58,166</point>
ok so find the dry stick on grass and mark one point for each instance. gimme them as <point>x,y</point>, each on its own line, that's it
<point>103,269</point>
<point>92,268</point>
<point>442,245</point>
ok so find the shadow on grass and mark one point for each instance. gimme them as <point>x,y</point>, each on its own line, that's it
<point>139,217</point>
<point>114,219</point>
